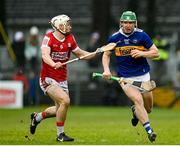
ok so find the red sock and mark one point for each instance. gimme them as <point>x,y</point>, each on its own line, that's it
<point>59,123</point>
<point>43,115</point>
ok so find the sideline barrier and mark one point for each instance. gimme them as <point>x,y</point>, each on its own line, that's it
<point>11,94</point>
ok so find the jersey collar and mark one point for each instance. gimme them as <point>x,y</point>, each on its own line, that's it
<point>61,40</point>
<point>120,31</point>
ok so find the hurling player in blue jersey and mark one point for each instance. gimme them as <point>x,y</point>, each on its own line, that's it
<point>132,49</point>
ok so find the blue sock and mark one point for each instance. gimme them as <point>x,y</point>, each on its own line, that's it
<point>147,127</point>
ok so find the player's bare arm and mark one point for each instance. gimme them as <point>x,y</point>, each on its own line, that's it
<point>47,58</point>
<point>89,55</point>
<point>105,63</point>
<point>79,53</point>
<point>152,53</point>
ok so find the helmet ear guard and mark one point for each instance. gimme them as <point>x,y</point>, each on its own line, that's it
<point>60,20</point>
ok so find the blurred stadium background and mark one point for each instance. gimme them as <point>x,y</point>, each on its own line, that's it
<point>159,18</point>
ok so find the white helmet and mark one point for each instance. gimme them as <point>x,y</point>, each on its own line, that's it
<point>60,19</point>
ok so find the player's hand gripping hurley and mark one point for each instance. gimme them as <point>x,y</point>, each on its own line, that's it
<point>105,48</point>
<point>143,86</point>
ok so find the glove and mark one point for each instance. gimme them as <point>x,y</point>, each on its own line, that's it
<point>99,50</point>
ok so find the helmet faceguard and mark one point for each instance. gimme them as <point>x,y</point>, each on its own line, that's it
<point>129,16</point>
<point>60,20</point>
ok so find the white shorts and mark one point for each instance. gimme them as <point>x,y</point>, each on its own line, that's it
<point>142,78</point>
<point>49,81</point>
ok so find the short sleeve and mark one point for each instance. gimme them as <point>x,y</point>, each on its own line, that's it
<point>110,39</point>
<point>73,43</point>
<point>45,42</point>
<point>147,41</point>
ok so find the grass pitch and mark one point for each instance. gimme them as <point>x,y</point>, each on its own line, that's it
<point>90,126</point>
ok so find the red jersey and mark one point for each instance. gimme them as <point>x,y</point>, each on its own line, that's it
<point>60,52</point>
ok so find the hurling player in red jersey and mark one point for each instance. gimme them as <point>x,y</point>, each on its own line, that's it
<point>56,48</point>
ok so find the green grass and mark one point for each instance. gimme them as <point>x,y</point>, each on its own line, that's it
<point>90,126</point>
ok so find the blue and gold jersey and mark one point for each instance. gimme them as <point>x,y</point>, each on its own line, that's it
<point>128,66</point>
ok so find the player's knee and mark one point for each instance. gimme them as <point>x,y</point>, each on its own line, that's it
<point>138,101</point>
<point>66,101</point>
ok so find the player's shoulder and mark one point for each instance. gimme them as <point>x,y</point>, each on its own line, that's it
<point>115,34</point>
<point>138,30</point>
<point>114,37</point>
<point>70,38</point>
<point>49,35</point>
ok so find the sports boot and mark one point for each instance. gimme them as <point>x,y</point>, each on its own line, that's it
<point>63,137</point>
<point>152,136</point>
<point>34,123</point>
